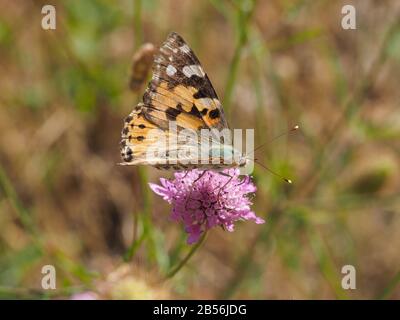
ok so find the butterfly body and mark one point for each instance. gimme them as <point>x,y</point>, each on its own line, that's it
<point>211,162</point>
<point>180,93</point>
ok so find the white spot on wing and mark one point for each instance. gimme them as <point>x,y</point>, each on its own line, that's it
<point>185,48</point>
<point>217,103</point>
<point>156,76</point>
<point>208,102</point>
<point>171,70</point>
<point>194,69</point>
<point>159,60</point>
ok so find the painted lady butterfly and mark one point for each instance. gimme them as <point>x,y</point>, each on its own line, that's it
<point>181,92</point>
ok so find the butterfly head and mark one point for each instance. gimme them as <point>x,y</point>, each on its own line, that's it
<point>243,161</point>
<point>239,159</point>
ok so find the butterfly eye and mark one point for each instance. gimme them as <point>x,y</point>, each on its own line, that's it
<point>243,162</point>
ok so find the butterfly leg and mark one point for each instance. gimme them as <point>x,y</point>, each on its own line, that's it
<point>191,189</point>
<point>200,176</point>
<point>229,180</point>
<point>231,177</point>
<point>243,181</point>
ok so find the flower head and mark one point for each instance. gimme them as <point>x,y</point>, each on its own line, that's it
<point>205,199</point>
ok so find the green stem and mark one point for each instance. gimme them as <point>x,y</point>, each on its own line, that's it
<point>243,17</point>
<point>175,270</point>
<point>232,75</point>
<point>145,218</point>
<point>22,213</point>
<point>326,263</point>
<point>136,242</point>
<point>130,253</point>
<point>390,288</point>
<point>137,23</point>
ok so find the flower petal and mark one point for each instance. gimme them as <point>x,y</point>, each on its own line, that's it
<point>161,191</point>
<point>250,215</point>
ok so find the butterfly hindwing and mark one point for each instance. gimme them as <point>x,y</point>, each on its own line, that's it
<point>141,136</point>
<point>135,135</point>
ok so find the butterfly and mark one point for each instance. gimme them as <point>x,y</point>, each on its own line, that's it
<point>179,92</point>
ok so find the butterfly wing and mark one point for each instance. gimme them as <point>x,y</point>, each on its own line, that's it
<point>144,142</point>
<point>179,91</point>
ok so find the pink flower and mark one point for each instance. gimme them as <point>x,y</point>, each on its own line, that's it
<point>88,295</point>
<point>203,200</point>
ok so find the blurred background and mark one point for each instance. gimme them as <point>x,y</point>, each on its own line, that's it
<point>274,64</point>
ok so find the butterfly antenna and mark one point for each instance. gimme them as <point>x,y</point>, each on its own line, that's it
<point>296,127</point>
<point>273,172</point>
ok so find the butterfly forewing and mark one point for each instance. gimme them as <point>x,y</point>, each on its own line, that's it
<point>180,91</point>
